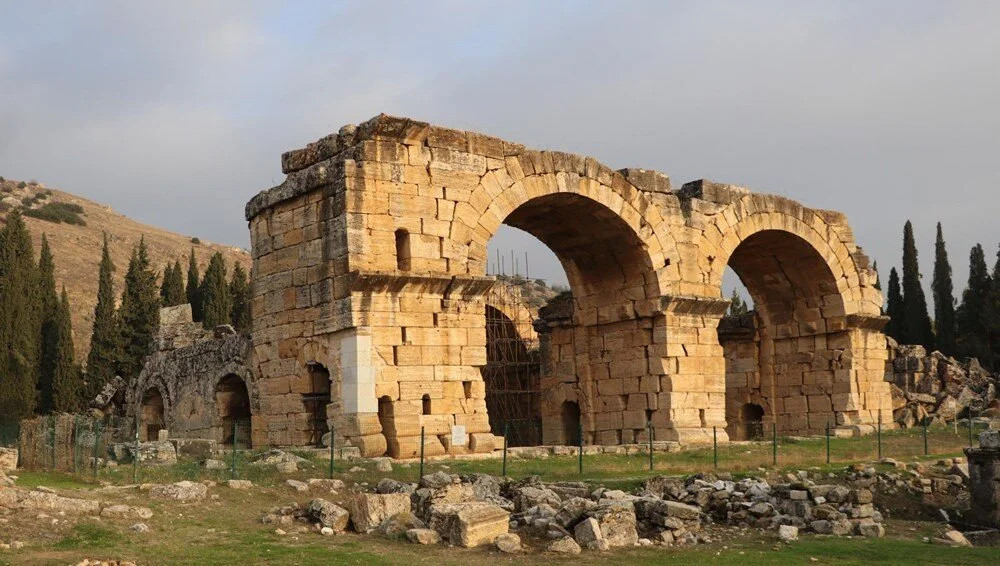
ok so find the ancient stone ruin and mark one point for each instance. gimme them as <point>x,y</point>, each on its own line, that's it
<point>370,295</point>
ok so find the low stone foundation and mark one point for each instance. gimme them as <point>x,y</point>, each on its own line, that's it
<point>984,480</point>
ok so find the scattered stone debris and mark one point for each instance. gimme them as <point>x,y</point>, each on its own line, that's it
<point>938,387</point>
<point>180,491</point>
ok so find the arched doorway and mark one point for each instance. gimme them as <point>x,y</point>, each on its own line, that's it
<point>315,402</point>
<point>570,421</point>
<point>152,415</point>
<point>789,351</point>
<point>385,420</point>
<point>596,355</point>
<point>232,403</point>
<point>751,422</point>
<point>511,376</point>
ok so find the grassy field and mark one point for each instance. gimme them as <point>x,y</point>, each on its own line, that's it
<point>610,469</point>
<point>227,529</point>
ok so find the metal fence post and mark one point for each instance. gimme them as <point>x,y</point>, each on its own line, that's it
<point>97,437</point>
<point>649,434</point>
<point>970,427</point>
<point>52,441</point>
<point>579,445</point>
<point>774,443</point>
<point>880,435</point>
<point>135,457</point>
<point>421,454</point>
<point>715,447</point>
<point>506,429</point>
<point>74,440</point>
<point>827,442</point>
<point>924,425</point>
<point>232,469</point>
<point>332,443</point>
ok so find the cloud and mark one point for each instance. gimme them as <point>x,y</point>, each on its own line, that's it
<point>885,111</point>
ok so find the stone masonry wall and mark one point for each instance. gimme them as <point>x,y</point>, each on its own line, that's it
<point>370,260</point>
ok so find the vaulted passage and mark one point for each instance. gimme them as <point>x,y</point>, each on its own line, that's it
<point>152,415</point>
<point>787,356</point>
<point>597,345</point>
<point>511,377</point>
<point>232,402</point>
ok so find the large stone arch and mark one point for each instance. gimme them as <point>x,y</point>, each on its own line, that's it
<point>375,245</point>
<point>817,316</point>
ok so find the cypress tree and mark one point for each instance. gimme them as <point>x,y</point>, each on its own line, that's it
<point>193,288</point>
<point>21,327</point>
<point>172,289</point>
<point>971,336</point>
<point>139,314</point>
<point>67,384</point>
<point>216,304</point>
<point>894,308</point>
<point>944,298</point>
<point>990,316</point>
<point>916,328</point>
<point>878,282</point>
<point>737,305</point>
<point>48,338</point>
<point>239,291</point>
<point>104,342</point>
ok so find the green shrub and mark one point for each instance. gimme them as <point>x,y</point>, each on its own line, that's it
<point>41,196</point>
<point>58,212</point>
<point>28,200</point>
<point>22,184</point>
<point>195,241</point>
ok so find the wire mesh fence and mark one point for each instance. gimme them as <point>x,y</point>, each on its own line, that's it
<point>110,450</point>
<point>66,442</point>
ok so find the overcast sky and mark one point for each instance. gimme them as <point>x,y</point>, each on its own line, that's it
<point>176,113</point>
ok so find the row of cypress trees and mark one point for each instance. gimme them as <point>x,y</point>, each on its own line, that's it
<point>213,299</point>
<point>37,370</point>
<point>972,329</point>
<point>38,373</point>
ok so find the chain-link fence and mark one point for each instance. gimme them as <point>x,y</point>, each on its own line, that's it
<point>66,442</point>
<point>111,449</point>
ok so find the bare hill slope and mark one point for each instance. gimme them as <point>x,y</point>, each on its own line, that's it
<point>77,248</point>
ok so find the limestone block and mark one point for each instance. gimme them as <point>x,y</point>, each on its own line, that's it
<point>470,524</point>
<point>369,510</point>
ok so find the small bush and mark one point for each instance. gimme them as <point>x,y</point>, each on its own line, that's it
<point>58,212</point>
<point>41,196</point>
<point>8,189</point>
<point>28,200</point>
<point>195,241</point>
<point>48,192</point>
<point>22,184</point>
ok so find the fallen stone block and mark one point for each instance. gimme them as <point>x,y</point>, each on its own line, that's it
<point>126,512</point>
<point>369,510</point>
<point>328,514</point>
<point>469,524</point>
<point>565,545</point>
<point>180,491</point>
<point>423,536</point>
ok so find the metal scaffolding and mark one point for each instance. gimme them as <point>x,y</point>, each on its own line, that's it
<point>513,367</point>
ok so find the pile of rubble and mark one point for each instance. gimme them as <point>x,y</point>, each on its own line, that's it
<point>566,517</point>
<point>938,386</point>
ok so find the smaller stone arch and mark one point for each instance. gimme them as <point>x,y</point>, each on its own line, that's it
<point>152,414</point>
<point>570,416</point>
<point>233,412</point>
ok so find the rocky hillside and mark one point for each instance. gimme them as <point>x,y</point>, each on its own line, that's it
<point>74,227</point>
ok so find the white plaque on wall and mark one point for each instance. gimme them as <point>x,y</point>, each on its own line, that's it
<point>458,436</point>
